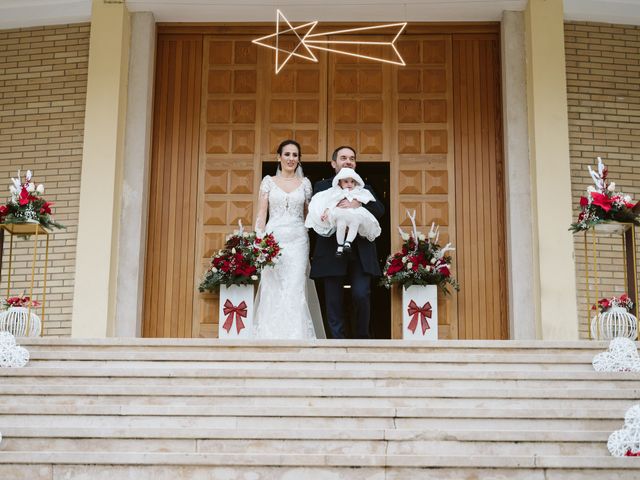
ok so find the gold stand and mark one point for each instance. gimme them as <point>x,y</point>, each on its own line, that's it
<point>627,232</point>
<point>36,230</point>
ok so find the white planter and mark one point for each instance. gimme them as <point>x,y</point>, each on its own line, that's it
<point>420,312</point>
<point>16,321</point>
<point>615,322</point>
<point>236,312</point>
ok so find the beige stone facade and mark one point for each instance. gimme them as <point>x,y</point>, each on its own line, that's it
<point>43,79</point>
<point>603,86</point>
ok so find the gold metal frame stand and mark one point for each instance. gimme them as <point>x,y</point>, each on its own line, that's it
<point>627,232</point>
<point>36,231</point>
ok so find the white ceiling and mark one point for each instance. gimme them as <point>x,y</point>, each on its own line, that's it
<point>26,13</point>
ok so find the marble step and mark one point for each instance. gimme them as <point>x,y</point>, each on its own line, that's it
<point>189,372</point>
<point>301,355</point>
<point>195,433</point>
<point>317,364</point>
<point>323,402</point>
<point>242,472</point>
<point>320,460</point>
<point>303,446</point>
<point>497,421</point>
<point>533,412</point>
<point>457,345</point>
<point>505,386</point>
<point>108,388</point>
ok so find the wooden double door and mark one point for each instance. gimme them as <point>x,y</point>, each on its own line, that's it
<point>220,111</point>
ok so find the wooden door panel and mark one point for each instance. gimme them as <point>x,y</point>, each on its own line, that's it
<point>358,104</point>
<point>423,152</point>
<point>295,104</point>
<point>220,111</point>
<point>171,262</point>
<point>231,116</point>
<point>479,177</point>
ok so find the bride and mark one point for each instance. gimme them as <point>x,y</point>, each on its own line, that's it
<point>286,296</point>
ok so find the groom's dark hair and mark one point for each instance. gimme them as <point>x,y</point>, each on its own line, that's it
<point>334,155</point>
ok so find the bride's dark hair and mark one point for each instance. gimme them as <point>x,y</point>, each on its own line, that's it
<point>289,142</point>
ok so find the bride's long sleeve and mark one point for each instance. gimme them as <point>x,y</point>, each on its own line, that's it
<point>263,206</point>
<point>308,193</point>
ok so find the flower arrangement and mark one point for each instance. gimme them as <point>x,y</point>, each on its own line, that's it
<point>604,204</point>
<point>421,261</point>
<point>19,302</point>
<point>27,205</point>
<point>605,304</point>
<point>241,260</point>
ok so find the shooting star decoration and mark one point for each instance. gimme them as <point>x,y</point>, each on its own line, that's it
<point>323,41</point>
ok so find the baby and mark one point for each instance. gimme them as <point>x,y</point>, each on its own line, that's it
<point>326,218</point>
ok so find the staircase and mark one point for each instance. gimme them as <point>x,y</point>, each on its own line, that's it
<point>205,409</point>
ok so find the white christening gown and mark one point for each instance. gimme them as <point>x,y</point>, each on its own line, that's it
<point>285,292</point>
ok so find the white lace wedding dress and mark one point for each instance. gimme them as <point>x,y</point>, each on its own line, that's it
<point>282,304</point>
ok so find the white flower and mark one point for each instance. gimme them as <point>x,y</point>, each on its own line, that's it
<point>233,250</point>
<point>612,187</point>
<point>591,189</point>
<point>404,236</point>
<point>404,259</point>
<point>214,269</point>
<point>40,189</point>
<point>31,188</point>
<point>428,268</point>
<point>27,177</point>
<point>433,261</point>
<point>254,277</point>
<point>13,189</point>
<point>245,234</point>
<point>627,198</point>
<point>409,266</point>
<point>421,237</point>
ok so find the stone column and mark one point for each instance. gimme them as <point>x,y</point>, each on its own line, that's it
<point>135,191</point>
<point>520,258</point>
<point>101,178</point>
<point>555,287</point>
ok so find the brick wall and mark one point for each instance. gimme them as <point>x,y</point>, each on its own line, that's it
<point>603,86</point>
<point>43,78</point>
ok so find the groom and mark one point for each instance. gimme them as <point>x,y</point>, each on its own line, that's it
<point>357,268</point>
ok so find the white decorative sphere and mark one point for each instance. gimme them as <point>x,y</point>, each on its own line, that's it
<point>11,355</point>
<point>19,322</point>
<point>628,438</point>
<point>622,356</point>
<point>615,322</point>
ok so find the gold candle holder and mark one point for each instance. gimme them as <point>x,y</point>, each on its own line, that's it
<point>36,231</point>
<point>627,232</point>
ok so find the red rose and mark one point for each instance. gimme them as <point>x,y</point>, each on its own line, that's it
<point>444,270</point>
<point>584,201</point>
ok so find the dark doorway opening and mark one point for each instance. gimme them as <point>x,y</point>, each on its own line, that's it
<point>375,174</point>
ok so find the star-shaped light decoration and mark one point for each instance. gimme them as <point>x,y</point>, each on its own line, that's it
<point>323,41</point>
<point>291,53</point>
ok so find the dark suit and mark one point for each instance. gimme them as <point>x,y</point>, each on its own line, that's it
<point>358,267</point>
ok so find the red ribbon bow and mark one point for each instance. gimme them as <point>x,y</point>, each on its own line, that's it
<point>423,313</point>
<point>240,312</point>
